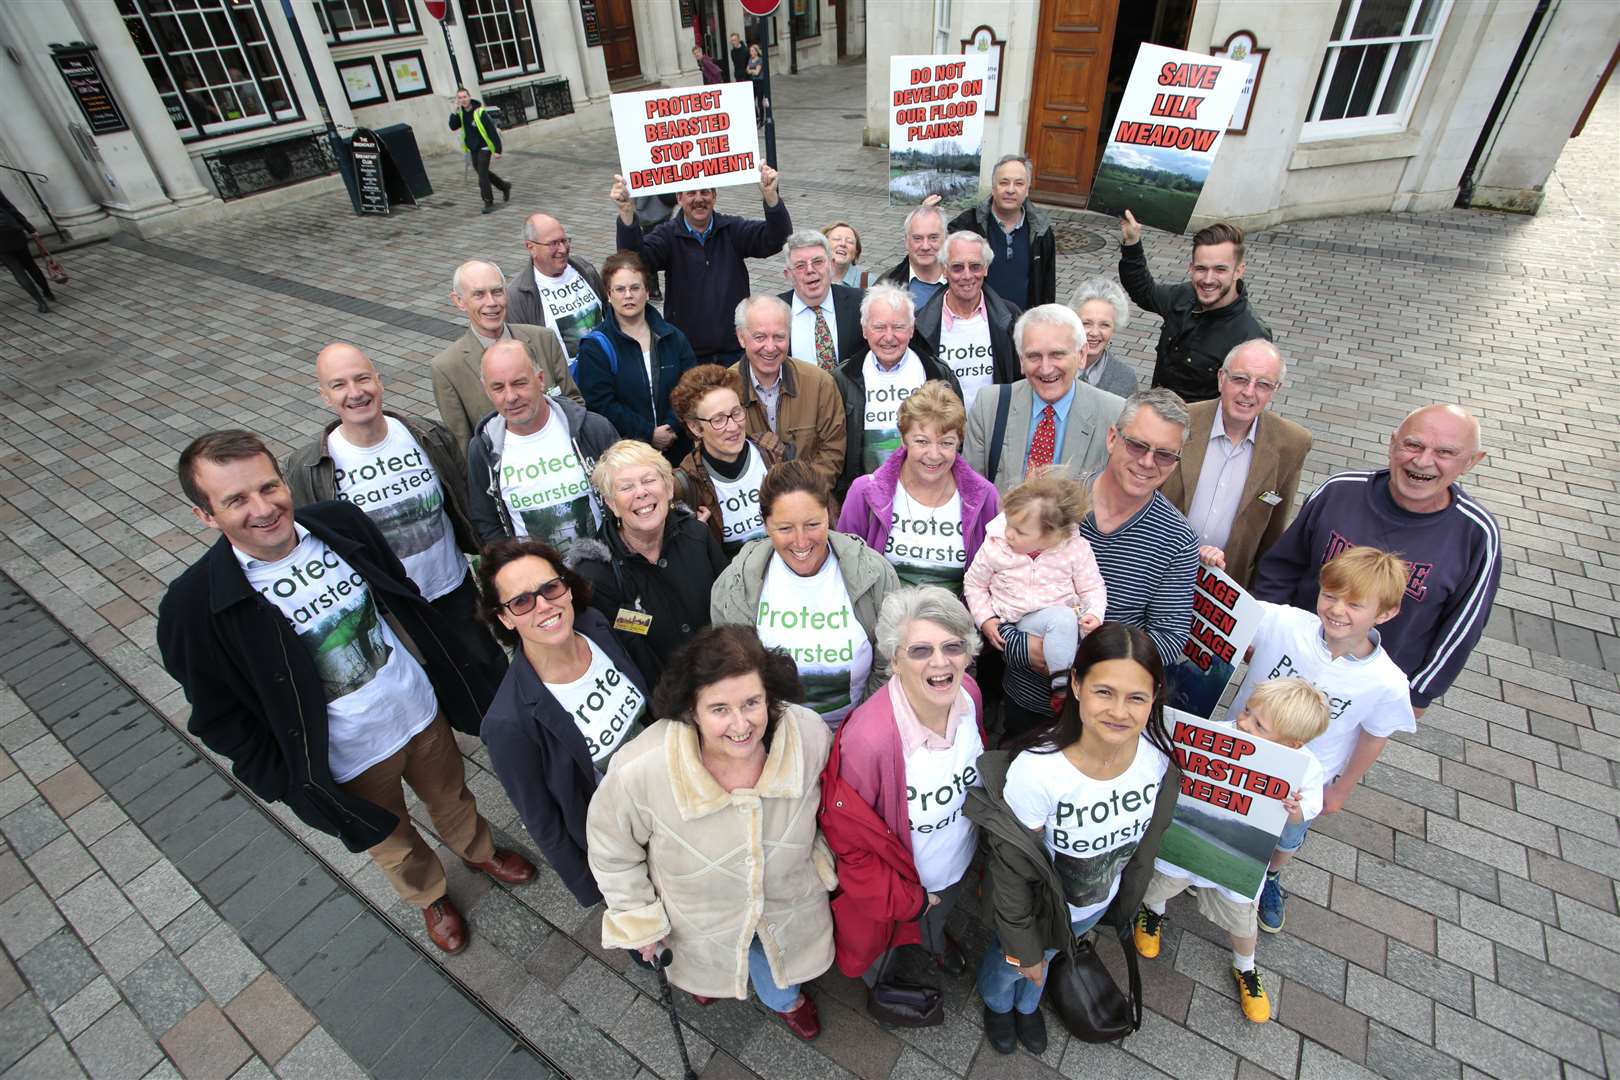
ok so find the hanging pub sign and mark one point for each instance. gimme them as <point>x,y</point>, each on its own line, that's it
<point>368,172</point>
<point>83,76</point>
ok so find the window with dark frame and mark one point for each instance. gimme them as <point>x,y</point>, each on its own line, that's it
<point>361,20</point>
<point>213,63</point>
<point>806,19</point>
<point>503,38</point>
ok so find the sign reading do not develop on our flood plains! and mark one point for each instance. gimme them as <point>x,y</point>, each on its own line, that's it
<point>686,138</point>
<point>936,127</point>
<point>1170,124</point>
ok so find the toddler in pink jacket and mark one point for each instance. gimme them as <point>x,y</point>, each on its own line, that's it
<point>1035,570</point>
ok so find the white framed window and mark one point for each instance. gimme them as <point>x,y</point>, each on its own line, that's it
<point>213,63</point>
<point>501,33</point>
<point>1374,67</point>
<point>358,20</point>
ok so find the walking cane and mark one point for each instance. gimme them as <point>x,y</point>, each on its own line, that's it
<point>659,962</point>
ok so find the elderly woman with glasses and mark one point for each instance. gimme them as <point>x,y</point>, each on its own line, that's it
<point>571,699</point>
<point>723,472</point>
<point>896,782</point>
<point>1104,309</point>
<point>628,365</point>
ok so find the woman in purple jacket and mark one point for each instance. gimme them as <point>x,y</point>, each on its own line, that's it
<point>925,509</point>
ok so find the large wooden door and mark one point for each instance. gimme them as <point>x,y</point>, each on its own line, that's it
<point>619,39</point>
<point>1071,79</point>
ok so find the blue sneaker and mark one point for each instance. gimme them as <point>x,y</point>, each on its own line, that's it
<point>1271,905</point>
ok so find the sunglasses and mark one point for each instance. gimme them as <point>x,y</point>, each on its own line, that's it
<point>524,602</point>
<point>1164,459</point>
<point>953,650</point>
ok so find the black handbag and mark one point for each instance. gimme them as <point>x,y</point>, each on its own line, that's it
<point>900,998</point>
<point>1087,999</point>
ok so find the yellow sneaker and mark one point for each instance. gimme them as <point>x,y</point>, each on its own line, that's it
<point>1252,996</point>
<point>1147,931</point>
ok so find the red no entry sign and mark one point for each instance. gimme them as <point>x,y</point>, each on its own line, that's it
<point>435,8</point>
<point>762,8</point>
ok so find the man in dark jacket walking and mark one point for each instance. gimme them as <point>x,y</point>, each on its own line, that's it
<point>15,232</point>
<point>481,138</point>
<point>704,254</point>
<point>314,665</point>
<point>1204,319</point>
<point>1024,271</point>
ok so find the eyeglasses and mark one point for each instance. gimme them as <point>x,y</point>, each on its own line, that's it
<point>954,649</point>
<point>632,289</point>
<point>564,242</point>
<point>722,420</point>
<point>524,602</point>
<point>960,268</point>
<point>813,264</point>
<point>1164,459</point>
<point>1242,382</point>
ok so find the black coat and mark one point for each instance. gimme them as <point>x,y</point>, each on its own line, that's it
<point>675,592</point>
<point>1042,248</point>
<point>256,696</point>
<point>1000,314</point>
<point>851,382</point>
<point>14,227</point>
<point>846,313</point>
<point>541,758</point>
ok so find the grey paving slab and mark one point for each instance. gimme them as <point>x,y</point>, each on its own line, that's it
<point>57,968</point>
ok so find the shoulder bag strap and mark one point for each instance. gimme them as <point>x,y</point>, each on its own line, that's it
<point>999,432</point>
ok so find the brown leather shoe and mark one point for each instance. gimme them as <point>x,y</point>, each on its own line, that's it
<point>507,866</point>
<point>804,1021</point>
<point>444,926</point>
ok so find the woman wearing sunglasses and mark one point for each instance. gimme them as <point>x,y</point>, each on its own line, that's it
<point>569,702</point>
<point>724,470</point>
<point>895,785</point>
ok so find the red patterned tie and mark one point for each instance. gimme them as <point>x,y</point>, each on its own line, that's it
<point>1044,444</point>
<point>824,346</point>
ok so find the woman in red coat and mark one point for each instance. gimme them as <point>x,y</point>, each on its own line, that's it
<point>895,785</point>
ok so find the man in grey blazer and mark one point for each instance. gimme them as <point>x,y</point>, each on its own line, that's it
<point>1049,340</point>
<point>479,291</point>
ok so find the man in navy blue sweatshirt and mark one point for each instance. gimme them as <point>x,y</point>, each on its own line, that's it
<point>1417,509</point>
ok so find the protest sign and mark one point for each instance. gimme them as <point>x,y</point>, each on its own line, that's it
<point>1170,124</point>
<point>1230,812</point>
<point>686,138</point>
<point>1223,623</point>
<point>936,127</point>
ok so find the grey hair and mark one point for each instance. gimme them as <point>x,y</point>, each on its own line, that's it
<point>1047,315</point>
<point>1007,159</point>
<point>918,212</point>
<point>455,279</point>
<point>748,303</point>
<point>1166,403</point>
<point>807,238</point>
<point>893,297</point>
<point>1282,364</point>
<point>929,602</point>
<point>962,236</point>
<point>1107,290</point>
<point>530,233</point>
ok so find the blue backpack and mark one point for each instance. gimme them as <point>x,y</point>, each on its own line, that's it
<point>607,346</point>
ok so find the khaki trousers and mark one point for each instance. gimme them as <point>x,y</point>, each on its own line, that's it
<point>431,763</point>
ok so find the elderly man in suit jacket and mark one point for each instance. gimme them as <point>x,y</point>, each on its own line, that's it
<point>479,291</point>
<point>825,326</point>
<point>1240,467</point>
<point>1049,419</point>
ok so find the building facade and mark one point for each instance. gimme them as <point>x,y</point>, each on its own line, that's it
<point>1361,105</point>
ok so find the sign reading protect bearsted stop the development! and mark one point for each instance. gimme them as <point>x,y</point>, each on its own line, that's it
<point>687,137</point>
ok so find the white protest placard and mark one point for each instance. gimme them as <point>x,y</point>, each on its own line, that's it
<point>936,126</point>
<point>1224,620</point>
<point>1171,122</point>
<point>687,137</point>
<point>1230,811</point>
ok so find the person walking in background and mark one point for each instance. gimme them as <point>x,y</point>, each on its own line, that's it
<point>480,137</point>
<point>712,74</point>
<point>756,75</point>
<point>739,59</point>
<point>15,232</point>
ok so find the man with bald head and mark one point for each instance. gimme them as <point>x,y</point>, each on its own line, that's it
<point>407,473</point>
<point>1417,509</point>
<point>555,288</point>
<point>479,292</point>
<point>529,462</point>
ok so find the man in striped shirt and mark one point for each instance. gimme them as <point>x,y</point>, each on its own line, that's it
<point>1415,508</point>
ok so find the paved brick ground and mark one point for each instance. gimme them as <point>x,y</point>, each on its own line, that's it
<point>1458,919</point>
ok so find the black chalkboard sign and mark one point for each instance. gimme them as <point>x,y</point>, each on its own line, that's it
<point>688,12</point>
<point>368,172</point>
<point>83,76</point>
<point>593,26</point>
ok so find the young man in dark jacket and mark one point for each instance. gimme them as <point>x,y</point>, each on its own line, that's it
<point>1204,319</point>
<point>480,137</point>
<point>315,666</point>
<point>705,255</point>
<point>15,232</point>
<point>1024,271</point>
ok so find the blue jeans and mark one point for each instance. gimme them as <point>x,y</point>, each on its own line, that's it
<point>1293,836</point>
<point>1004,988</point>
<point>776,998</point>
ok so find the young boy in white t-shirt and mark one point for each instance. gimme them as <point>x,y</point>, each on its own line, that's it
<point>1290,712</point>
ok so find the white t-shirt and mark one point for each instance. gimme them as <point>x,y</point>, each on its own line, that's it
<point>739,500</point>
<point>570,305</point>
<point>937,782</point>
<point>604,704</point>
<point>394,483</point>
<point>1091,827</point>
<point>544,485</point>
<point>964,347</point>
<point>885,390</point>
<point>925,544</point>
<point>813,619</point>
<point>1371,693</point>
<point>377,695</point>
